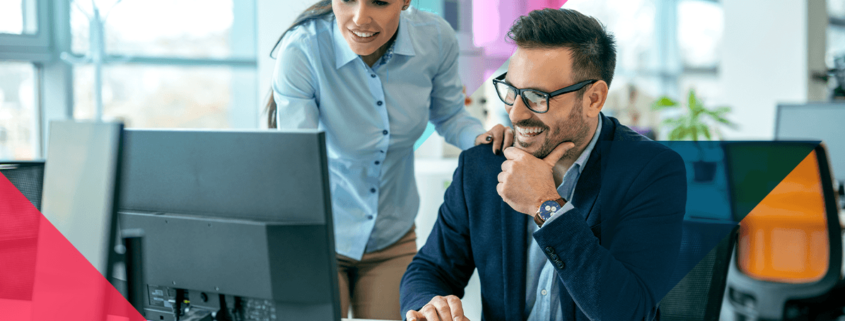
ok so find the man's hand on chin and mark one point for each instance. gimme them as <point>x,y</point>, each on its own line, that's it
<point>526,181</point>
<point>440,308</point>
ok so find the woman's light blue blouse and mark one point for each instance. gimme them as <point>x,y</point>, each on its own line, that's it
<point>372,117</point>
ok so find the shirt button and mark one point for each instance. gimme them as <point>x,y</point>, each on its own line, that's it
<point>377,162</point>
<point>381,151</point>
<point>543,292</point>
<point>373,75</point>
<point>379,103</point>
<point>372,190</point>
<point>369,217</point>
<point>384,132</point>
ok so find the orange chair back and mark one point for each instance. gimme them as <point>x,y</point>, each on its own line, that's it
<point>784,238</point>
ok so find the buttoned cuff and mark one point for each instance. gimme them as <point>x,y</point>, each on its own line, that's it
<point>566,208</point>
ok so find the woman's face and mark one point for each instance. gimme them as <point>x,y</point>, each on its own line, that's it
<point>367,24</point>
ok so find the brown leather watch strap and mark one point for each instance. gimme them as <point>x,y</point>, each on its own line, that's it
<point>539,220</point>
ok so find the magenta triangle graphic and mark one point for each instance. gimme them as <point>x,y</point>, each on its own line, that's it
<point>44,277</point>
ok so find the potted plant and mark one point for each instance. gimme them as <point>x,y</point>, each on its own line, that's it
<point>695,122</point>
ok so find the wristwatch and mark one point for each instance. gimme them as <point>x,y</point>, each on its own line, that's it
<point>547,209</point>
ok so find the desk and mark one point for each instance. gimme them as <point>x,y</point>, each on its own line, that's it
<point>22,310</point>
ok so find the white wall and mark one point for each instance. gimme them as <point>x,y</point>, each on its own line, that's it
<point>764,60</point>
<point>273,18</point>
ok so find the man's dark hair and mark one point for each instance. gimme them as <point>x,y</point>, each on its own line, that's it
<point>593,49</point>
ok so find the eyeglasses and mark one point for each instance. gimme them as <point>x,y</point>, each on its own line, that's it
<point>536,100</point>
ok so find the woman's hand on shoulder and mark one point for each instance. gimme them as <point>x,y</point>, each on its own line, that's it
<point>499,136</point>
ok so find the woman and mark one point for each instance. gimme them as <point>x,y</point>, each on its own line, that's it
<point>372,74</point>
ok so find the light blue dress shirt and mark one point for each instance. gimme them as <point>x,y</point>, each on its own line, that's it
<point>542,295</point>
<point>372,116</point>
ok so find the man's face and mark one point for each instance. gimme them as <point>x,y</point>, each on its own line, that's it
<point>367,25</point>
<point>546,69</point>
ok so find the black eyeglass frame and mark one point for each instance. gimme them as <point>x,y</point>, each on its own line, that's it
<point>549,96</point>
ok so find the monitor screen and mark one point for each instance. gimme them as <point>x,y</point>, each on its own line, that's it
<point>816,121</point>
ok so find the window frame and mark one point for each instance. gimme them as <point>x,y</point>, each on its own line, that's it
<point>29,47</point>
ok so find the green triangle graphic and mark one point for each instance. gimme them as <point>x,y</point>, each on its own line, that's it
<point>756,168</point>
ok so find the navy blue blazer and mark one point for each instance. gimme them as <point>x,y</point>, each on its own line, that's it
<point>613,253</point>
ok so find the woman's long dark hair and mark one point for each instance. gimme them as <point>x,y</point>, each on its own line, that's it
<point>320,9</point>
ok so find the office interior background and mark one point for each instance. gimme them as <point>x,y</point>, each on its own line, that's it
<point>206,64</point>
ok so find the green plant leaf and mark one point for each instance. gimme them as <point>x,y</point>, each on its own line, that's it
<point>673,121</point>
<point>677,133</point>
<point>721,111</point>
<point>692,101</point>
<point>694,131</point>
<point>664,103</point>
<point>706,131</point>
<point>693,123</point>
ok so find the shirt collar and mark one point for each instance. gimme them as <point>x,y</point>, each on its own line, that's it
<point>403,44</point>
<point>589,150</point>
<point>343,54</point>
<point>567,185</point>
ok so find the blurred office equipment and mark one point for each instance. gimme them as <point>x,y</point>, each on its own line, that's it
<point>19,233</point>
<point>788,259</point>
<point>80,186</point>
<point>698,295</point>
<point>80,190</point>
<point>27,176</point>
<point>838,75</point>
<point>237,224</point>
<point>816,121</point>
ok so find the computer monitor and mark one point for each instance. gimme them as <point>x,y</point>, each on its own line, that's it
<point>815,121</point>
<point>235,223</point>
<point>80,187</point>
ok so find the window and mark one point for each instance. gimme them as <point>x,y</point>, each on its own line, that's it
<point>148,96</point>
<point>18,112</point>
<point>699,33</point>
<point>835,30</point>
<point>170,63</point>
<point>664,47</point>
<point>164,28</point>
<point>18,17</point>
<point>166,64</point>
<point>24,44</point>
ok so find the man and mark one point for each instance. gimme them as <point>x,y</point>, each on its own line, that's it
<point>580,220</point>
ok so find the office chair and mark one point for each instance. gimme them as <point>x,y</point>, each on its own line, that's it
<point>19,233</point>
<point>788,259</point>
<point>698,295</point>
<point>27,176</point>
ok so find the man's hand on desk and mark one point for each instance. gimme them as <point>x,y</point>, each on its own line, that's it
<point>440,308</point>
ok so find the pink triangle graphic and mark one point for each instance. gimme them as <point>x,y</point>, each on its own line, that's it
<point>45,278</point>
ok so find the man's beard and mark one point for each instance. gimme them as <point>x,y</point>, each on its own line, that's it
<point>574,129</point>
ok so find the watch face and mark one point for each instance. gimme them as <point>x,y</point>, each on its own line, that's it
<point>548,208</point>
